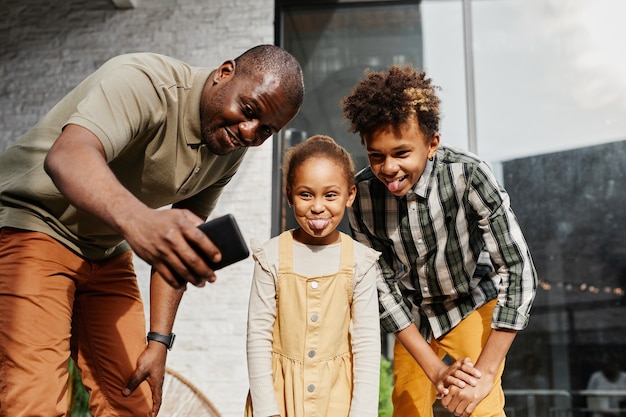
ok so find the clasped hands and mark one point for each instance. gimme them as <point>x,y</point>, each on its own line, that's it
<point>461,387</point>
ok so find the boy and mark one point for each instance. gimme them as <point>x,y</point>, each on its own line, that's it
<point>456,266</point>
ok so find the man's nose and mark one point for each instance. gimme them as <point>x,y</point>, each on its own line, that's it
<point>248,131</point>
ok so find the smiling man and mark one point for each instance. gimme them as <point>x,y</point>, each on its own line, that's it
<point>83,187</point>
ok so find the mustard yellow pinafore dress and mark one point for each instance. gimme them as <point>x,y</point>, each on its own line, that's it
<point>311,349</point>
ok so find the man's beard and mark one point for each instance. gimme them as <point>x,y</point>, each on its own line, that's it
<point>210,139</point>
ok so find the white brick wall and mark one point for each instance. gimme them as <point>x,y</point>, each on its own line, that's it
<point>48,47</point>
<point>211,321</point>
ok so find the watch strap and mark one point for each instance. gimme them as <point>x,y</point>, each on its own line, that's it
<point>166,339</point>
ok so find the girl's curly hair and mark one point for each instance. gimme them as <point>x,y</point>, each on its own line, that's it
<point>390,98</point>
<point>317,146</point>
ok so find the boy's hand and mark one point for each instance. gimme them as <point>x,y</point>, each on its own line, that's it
<point>463,401</point>
<point>459,374</point>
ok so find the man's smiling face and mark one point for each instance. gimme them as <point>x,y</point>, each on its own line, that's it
<point>241,111</point>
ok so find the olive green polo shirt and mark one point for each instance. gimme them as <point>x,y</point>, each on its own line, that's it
<point>145,109</point>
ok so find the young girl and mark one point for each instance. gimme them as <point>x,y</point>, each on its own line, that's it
<point>313,329</point>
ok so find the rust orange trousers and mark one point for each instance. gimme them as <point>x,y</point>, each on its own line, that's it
<point>53,304</point>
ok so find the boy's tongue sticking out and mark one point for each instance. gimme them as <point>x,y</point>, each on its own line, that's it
<point>395,185</point>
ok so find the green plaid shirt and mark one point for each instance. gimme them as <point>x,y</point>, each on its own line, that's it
<point>449,246</point>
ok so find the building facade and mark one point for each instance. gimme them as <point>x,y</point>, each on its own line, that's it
<point>49,47</point>
<point>534,87</point>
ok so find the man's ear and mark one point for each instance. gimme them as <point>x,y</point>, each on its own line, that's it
<point>224,71</point>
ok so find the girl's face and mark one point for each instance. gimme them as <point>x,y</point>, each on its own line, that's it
<point>398,156</point>
<point>319,195</point>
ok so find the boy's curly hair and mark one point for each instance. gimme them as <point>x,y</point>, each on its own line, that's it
<point>390,98</point>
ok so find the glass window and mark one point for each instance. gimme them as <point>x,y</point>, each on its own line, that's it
<point>541,87</point>
<point>335,43</point>
<point>550,99</point>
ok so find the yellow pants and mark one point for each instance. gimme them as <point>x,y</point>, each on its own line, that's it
<point>414,394</point>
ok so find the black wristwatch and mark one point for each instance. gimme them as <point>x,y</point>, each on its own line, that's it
<point>166,339</point>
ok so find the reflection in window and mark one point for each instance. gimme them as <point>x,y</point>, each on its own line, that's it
<point>549,114</point>
<point>570,205</point>
<point>335,45</point>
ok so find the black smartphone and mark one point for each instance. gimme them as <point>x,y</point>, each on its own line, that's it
<point>225,234</point>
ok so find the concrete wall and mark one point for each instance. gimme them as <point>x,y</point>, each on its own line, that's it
<point>48,47</point>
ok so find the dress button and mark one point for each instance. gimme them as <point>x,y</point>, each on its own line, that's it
<point>314,318</point>
<point>310,388</point>
<point>425,289</point>
<point>311,353</point>
<point>314,285</point>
